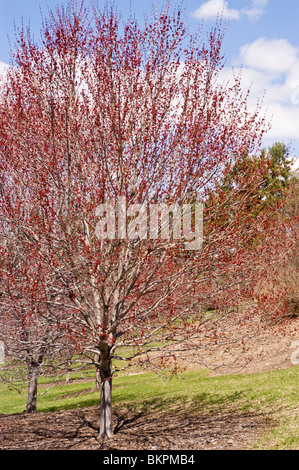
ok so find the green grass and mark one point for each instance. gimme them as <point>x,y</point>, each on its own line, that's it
<point>274,394</point>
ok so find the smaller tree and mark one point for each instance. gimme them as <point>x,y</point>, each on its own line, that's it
<point>32,330</point>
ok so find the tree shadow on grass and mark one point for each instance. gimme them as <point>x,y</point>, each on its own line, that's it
<point>84,403</point>
<point>182,404</point>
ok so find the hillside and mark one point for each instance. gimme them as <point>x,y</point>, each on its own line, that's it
<point>221,427</point>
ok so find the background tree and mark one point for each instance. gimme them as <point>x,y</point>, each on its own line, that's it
<point>108,110</point>
<point>275,187</point>
<point>256,188</point>
<point>283,278</point>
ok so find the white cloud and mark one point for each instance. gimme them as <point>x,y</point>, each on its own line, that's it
<point>285,122</point>
<point>256,10</point>
<point>212,8</point>
<point>272,56</point>
<point>3,68</point>
<point>271,69</point>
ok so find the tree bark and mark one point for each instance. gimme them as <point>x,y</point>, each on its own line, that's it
<point>98,372</point>
<point>106,391</point>
<point>68,372</point>
<point>33,369</point>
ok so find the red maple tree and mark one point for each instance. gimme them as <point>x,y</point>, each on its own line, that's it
<point>109,110</point>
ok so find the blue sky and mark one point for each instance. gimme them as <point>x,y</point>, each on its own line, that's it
<point>262,38</point>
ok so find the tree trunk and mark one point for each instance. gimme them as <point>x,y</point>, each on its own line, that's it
<point>106,391</point>
<point>33,369</point>
<point>98,372</point>
<point>68,372</point>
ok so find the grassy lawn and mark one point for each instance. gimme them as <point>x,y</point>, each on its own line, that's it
<point>274,394</point>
